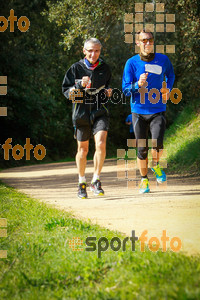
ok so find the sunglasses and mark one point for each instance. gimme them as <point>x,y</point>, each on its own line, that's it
<point>144,41</point>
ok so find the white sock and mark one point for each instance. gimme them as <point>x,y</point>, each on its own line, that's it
<point>95,177</point>
<point>82,179</point>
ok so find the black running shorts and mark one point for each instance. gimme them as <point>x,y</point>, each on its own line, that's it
<point>84,133</point>
<point>154,124</point>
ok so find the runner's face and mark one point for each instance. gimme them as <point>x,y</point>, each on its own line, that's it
<point>146,43</point>
<point>92,52</point>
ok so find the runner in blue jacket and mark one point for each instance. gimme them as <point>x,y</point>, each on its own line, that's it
<point>144,79</point>
<point>130,123</point>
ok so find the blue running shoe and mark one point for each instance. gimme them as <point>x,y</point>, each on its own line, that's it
<point>159,173</point>
<point>144,186</point>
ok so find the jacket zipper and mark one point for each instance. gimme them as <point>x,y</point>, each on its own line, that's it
<point>92,75</point>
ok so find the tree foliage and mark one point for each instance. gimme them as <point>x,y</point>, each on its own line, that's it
<point>104,20</point>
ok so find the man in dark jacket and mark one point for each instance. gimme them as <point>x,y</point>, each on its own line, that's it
<point>86,83</point>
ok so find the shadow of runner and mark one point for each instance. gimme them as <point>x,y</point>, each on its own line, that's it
<point>47,177</point>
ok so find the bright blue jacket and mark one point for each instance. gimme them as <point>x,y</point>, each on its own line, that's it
<point>134,67</point>
<point>129,119</point>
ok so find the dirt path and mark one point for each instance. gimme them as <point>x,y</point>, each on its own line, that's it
<point>174,208</point>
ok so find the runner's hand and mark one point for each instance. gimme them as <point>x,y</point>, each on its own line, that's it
<point>165,93</point>
<point>142,79</point>
<point>85,81</point>
<point>166,96</point>
<point>108,93</point>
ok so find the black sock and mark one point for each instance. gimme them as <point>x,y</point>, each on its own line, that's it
<point>144,176</point>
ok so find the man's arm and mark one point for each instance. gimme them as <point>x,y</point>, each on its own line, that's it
<point>169,74</point>
<point>169,78</point>
<point>129,83</point>
<point>69,84</point>
<point>127,121</point>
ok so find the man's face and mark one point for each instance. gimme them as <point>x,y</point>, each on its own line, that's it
<point>92,52</point>
<point>146,43</point>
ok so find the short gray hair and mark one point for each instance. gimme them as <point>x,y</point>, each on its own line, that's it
<point>93,41</point>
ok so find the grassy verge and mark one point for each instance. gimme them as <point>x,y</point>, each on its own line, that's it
<point>41,265</point>
<point>182,141</point>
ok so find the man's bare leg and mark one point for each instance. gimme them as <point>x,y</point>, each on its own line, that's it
<point>100,151</point>
<point>143,163</point>
<point>99,157</point>
<point>81,157</point>
<point>81,160</point>
<point>156,156</point>
<point>143,166</point>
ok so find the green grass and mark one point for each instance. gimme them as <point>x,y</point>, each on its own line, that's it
<point>182,141</point>
<point>41,265</point>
